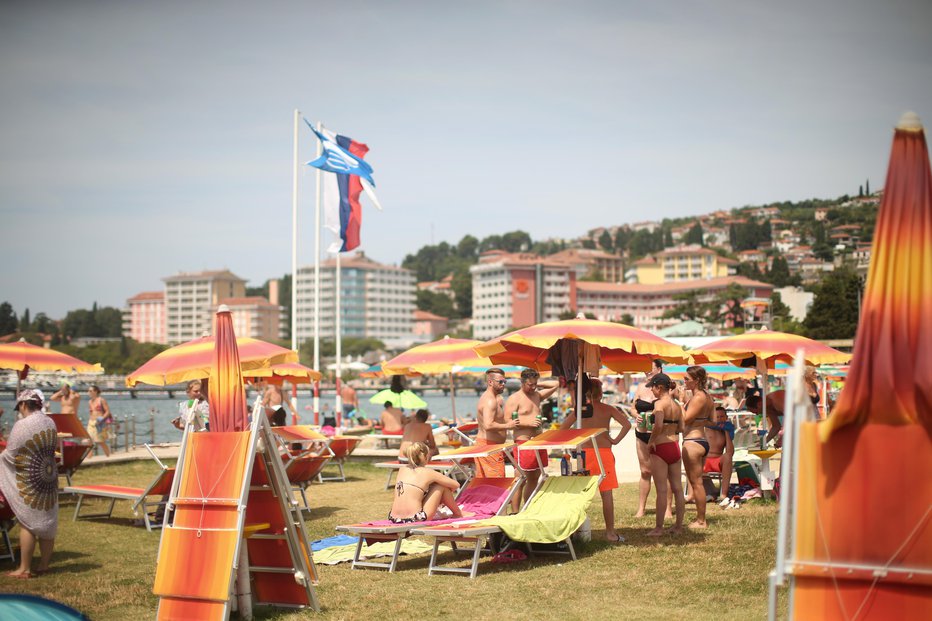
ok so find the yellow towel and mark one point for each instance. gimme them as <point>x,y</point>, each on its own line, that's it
<point>555,512</point>
<point>342,554</point>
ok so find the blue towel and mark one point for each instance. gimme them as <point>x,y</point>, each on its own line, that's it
<point>330,542</point>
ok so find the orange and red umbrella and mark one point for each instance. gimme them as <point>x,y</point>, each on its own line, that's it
<point>193,360</point>
<point>22,356</point>
<point>862,539</point>
<point>768,346</point>
<point>292,372</point>
<point>226,393</point>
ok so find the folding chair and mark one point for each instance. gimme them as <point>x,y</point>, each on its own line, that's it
<point>139,496</point>
<point>7,521</point>
<point>305,464</point>
<point>341,447</point>
<point>483,496</point>
<point>75,443</point>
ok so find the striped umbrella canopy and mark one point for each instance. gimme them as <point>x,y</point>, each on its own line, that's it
<point>769,346</point>
<point>623,348</point>
<point>718,371</point>
<point>376,371</point>
<point>22,356</point>
<point>226,393</point>
<point>292,372</point>
<point>437,357</point>
<point>193,360</point>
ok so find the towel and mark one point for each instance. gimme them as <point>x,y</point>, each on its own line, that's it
<point>29,474</point>
<point>342,554</point>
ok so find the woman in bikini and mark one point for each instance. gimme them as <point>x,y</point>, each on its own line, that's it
<point>98,425</point>
<point>420,491</point>
<point>644,405</point>
<point>697,417</point>
<point>665,452</point>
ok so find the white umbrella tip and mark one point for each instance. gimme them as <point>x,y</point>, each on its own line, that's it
<point>580,315</point>
<point>223,308</point>
<point>910,122</point>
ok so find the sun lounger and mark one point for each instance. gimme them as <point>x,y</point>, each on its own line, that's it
<point>7,521</point>
<point>74,446</point>
<point>341,447</point>
<point>485,497</point>
<point>147,498</point>
<point>303,465</point>
<point>555,510</point>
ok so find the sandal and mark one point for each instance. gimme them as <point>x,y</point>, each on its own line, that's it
<point>509,556</point>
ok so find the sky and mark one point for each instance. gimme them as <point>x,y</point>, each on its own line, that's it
<point>138,140</point>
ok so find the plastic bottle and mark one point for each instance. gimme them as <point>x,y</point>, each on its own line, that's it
<point>565,464</point>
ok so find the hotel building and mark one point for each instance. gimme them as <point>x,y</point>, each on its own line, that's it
<point>144,317</point>
<point>191,299</point>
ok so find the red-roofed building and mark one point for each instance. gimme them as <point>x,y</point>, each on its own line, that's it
<point>144,317</point>
<point>429,327</point>
<point>255,317</point>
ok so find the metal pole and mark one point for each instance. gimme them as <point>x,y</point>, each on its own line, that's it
<point>294,236</point>
<point>317,280</point>
<point>338,400</point>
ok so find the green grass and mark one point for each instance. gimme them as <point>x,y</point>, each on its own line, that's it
<point>105,568</point>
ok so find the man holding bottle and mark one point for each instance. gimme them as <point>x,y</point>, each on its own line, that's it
<point>524,409</point>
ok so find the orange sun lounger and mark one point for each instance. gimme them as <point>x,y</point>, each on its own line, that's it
<point>139,496</point>
<point>303,466</point>
<point>489,495</point>
<point>74,446</point>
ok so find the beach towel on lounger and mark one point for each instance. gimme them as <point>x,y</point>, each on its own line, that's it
<point>556,511</point>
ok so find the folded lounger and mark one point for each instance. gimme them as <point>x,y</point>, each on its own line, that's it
<point>556,509</point>
<point>139,496</point>
<point>484,496</point>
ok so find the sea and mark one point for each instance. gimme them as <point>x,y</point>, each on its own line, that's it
<point>152,413</point>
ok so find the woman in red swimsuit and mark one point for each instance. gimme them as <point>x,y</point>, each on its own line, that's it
<point>665,452</point>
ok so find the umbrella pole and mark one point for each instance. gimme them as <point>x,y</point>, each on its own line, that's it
<point>763,391</point>
<point>294,403</point>
<point>579,402</point>
<point>453,397</point>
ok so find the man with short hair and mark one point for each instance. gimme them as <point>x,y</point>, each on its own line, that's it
<point>349,398</point>
<point>275,404</point>
<point>775,409</point>
<point>393,421</point>
<point>419,430</point>
<point>493,428</point>
<point>68,398</point>
<point>524,407</point>
<point>721,450</point>
<point>601,418</point>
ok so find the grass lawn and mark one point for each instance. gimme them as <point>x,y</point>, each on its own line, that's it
<point>106,568</point>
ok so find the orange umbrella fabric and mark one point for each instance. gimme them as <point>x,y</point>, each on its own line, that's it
<point>890,380</point>
<point>769,346</point>
<point>623,348</point>
<point>292,372</point>
<point>438,357</point>
<point>226,393</point>
<point>192,360</point>
<point>22,356</point>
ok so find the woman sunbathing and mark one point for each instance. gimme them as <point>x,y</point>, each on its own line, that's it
<point>420,491</point>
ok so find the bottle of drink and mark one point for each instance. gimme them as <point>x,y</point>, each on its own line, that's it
<point>565,465</point>
<point>514,415</point>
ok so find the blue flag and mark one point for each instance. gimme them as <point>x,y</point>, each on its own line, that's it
<point>338,160</point>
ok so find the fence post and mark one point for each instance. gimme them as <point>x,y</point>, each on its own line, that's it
<point>133,417</point>
<point>152,413</point>
<point>125,435</point>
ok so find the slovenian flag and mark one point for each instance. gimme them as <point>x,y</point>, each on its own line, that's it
<point>340,199</point>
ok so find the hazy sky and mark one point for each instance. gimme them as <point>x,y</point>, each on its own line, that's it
<point>139,139</point>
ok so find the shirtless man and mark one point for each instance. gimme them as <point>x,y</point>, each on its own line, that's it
<point>721,450</point>
<point>68,398</point>
<point>493,428</point>
<point>393,420</point>
<point>349,398</point>
<point>776,404</point>
<point>418,430</point>
<point>602,415</point>
<point>526,404</point>
<point>275,405</point>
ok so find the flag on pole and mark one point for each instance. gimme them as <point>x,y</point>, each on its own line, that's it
<point>340,200</point>
<point>337,157</point>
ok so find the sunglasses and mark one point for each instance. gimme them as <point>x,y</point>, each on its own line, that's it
<point>501,381</point>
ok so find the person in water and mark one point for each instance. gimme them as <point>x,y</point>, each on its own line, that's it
<point>420,491</point>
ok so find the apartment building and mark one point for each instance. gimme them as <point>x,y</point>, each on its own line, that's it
<point>519,289</point>
<point>376,301</point>
<point>144,317</point>
<point>646,303</point>
<point>589,262</point>
<point>192,297</point>
<point>255,317</point>
<point>680,263</point>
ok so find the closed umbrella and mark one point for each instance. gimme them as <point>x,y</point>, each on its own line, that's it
<point>226,393</point>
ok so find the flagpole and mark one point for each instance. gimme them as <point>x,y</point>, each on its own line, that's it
<point>294,253</point>
<point>338,402</point>
<point>317,285</point>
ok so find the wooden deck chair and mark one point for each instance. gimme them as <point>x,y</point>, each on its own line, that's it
<point>556,509</point>
<point>484,496</point>
<point>341,447</point>
<point>75,443</point>
<point>147,498</point>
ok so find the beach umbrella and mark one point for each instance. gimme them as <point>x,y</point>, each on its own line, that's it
<point>770,347</point>
<point>622,348</point>
<point>441,356</point>
<point>226,393</point>
<point>405,399</point>
<point>292,372</point>
<point>23,357</point>
<point>192,360</point>
<point>376,371</point>
<point>861,544</point>
<point>718,371</point>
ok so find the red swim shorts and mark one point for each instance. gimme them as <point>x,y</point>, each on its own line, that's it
<point>608,460</point>
<point>713,464</point>
<point>527,460</point>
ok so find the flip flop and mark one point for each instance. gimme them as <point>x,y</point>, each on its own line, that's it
<point>509,556</point>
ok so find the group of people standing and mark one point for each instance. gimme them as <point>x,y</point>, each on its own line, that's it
<point>100,419</point>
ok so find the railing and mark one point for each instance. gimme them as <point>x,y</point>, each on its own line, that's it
<point>130,432</point>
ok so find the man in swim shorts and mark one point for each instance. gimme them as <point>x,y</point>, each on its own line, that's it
<point>524,407</point>
<point>721,450</point>
<point>493,428</point>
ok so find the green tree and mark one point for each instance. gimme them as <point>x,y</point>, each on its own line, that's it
<point>694,235</point>
<point>42,323</point>
<point>627,319</point>
<point>641,244</point>
<point>8,321</point>
<point>24,324</point>
<point>588,244</point>
<point>437,303</point>
<point>605,241</point>
<point>462,291</point>
<point>779,274</point>
<point>284,299</point>
<point>622,239</point>
<point>834,312</point>
<point>727,303</point>
<point>688,307</point>
<point>468,248</point>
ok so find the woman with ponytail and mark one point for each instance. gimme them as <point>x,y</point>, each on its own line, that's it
<point>420,491</point>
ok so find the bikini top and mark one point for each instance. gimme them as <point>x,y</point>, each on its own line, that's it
<point>643,406</point>
<point>94,406</point>
<point>400,488</point>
